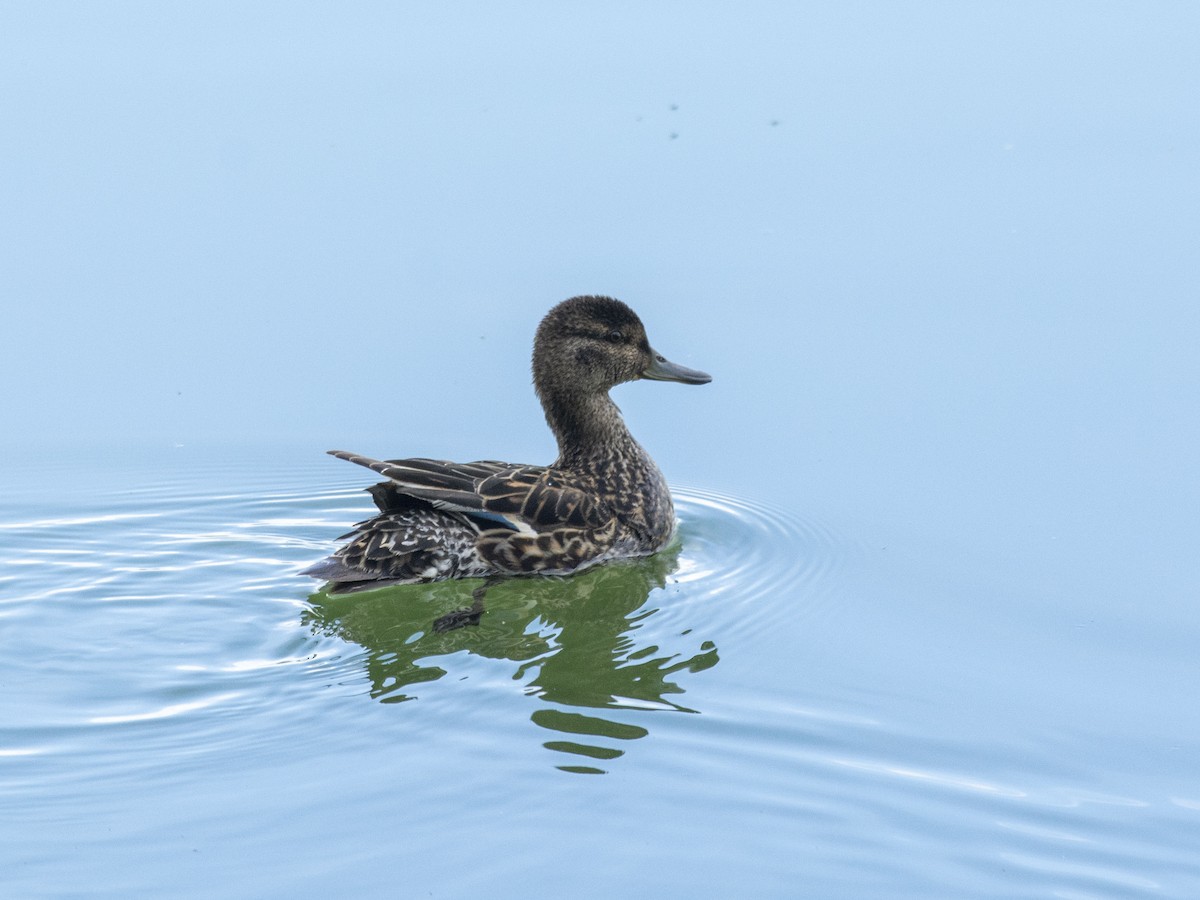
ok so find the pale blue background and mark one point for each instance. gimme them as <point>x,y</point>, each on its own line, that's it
<point>942,259</point>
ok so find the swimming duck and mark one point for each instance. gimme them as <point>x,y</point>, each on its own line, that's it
<point>602,499</point>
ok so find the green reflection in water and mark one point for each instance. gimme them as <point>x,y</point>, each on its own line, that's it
<point>584,641</point>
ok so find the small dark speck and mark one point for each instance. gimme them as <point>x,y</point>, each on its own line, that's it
<point>674,134</point>
<point>774,122</point>
<point>674,107</point>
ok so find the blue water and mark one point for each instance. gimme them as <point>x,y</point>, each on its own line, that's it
<point>771,701</point>
<point>929,626</point>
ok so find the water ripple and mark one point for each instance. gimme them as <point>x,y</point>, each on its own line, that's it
<point>742,556</point>
<point>163,712</point>
<point>166,638</point>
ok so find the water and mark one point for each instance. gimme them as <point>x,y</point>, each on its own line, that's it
<point>769,699</point>
<point>929,625</point>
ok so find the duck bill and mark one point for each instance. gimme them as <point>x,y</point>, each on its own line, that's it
<point>662,369</point>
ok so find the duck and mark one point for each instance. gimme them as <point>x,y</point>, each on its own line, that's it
<point>602,499</point>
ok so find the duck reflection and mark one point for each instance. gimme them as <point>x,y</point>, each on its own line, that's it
<point>585,641</point>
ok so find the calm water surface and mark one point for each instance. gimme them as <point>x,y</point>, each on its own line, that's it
<point>180,705</point>
<point>929,628</point>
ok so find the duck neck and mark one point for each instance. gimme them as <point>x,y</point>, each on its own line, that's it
<point>588,426</point>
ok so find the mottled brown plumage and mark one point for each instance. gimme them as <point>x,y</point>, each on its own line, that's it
<point>603,498</point>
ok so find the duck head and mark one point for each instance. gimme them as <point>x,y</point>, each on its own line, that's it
<point>587,345</point>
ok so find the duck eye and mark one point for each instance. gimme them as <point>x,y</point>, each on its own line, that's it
<point>614,336</point>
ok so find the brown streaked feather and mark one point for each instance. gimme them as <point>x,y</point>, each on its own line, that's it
<point>528,493</point>
<point>442,468</point>
<point>429,474</point>
<point>418,544</point>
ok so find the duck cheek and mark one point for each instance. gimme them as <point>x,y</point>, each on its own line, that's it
<point>637,368</point>
<point>587,357</point>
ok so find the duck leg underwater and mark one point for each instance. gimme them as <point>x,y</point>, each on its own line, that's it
<point>469,615</point>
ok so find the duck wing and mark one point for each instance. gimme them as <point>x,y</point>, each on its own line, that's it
<point>529,499</point>
<point>398,548</point>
